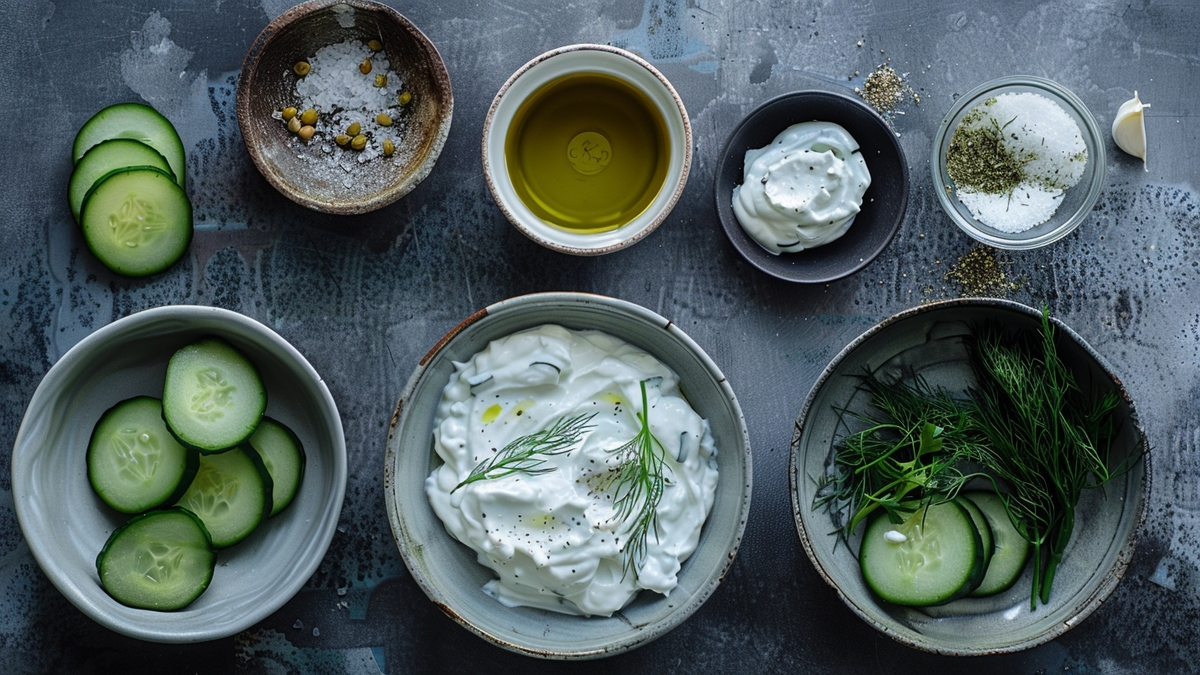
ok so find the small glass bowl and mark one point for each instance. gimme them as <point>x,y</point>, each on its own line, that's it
<point>1075,205</point>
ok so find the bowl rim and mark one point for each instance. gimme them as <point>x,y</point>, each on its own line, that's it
<point>68,585</point>
<point>248,75</point>
<point>749,249</point>
<point>981,232</point>
<point>1112,576</point>
<point>634,236</point>
<point>399,521</point>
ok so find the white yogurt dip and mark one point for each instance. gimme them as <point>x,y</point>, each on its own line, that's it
<point>802,190</point>
<point>550,532</point>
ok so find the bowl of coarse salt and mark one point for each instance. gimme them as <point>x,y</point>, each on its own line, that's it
<point>1018,162</point>
<point>344,105</point>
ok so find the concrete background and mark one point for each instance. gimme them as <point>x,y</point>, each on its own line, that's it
<point>364,297</point>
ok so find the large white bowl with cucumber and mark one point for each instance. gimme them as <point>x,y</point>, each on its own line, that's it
<point>922,498</point>
<point>179,473</point>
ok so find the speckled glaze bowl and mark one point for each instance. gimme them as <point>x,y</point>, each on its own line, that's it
<point>66,524</point>
<point>928,340</point>
<point>883,206</point>
<point>1078,201</point>
<point>267,84</point>
<point>546,68</point>
<point>447,570</point>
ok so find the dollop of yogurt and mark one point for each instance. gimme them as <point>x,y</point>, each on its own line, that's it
<point>803,190</point>
<point>550,532</point>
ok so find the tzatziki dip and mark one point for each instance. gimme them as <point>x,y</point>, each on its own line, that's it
<point>803,190</point>
<point>553,478</point>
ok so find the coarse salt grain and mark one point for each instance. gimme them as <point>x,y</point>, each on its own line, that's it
<point>341,94</point>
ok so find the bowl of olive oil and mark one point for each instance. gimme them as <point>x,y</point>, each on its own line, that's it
<point>586,149</point>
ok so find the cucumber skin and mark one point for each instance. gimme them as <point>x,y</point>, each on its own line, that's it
<point>257,457</point>
<point>987,544</point>
<point>113,537</point>
<point>152,270</point>
<point>962,591</point>
<point>189,470</point>
<point>268,482</point>
<point>988,494</point>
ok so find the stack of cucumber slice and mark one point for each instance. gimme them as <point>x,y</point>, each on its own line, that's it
<point>127,191</point>
<point>964,547</point>
<point>207,453</point>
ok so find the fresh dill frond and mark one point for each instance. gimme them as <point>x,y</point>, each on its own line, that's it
<point>526,455</point>
<point>638,484</point>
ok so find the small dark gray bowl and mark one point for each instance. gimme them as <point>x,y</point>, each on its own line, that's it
<point>883,204</point>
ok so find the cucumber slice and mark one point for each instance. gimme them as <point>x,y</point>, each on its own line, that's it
<point>934,564</point>
<point>213,398</point>
<point>118,153</point>
<point>229,495</point>
<point>282,456</point>
<point>134,121</point>
<point>986,540</point>
<point>137,221</point>
<point>160,560</point>
<point>134,464</point>
<point>1011,552</point>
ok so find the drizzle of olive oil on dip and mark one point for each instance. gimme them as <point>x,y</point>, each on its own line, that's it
<point>587,152</point>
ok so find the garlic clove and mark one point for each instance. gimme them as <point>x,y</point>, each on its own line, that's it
<point>1129,128</point>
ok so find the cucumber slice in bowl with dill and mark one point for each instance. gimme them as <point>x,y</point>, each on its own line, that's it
<point>987,541</point>
<point>1011,549</point>
<point>282,457</point>
<point>214,397</point>
<point>137,221</point>
<point>106,156</point>
<point>134,121</point>
<point>931,558</point>
<point>160,560</point>
<point>134,464</point>
<point>230,495</point>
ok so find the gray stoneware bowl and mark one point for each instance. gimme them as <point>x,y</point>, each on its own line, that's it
<point>66,524</point>
<point>883,205</point>
<point>927,340</point>
<point>447,570</point>
<point>266,86</point>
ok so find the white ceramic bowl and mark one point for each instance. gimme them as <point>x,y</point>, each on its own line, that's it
<point>66,524</point>
<point>448,572</point>
<point>551,66</point>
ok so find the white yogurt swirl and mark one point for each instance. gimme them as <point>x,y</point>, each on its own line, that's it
<point>802,190</point>
<point>554,538</point>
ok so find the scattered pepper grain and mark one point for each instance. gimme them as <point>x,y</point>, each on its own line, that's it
<point>980,274</point>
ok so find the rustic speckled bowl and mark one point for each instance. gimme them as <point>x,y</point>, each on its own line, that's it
<point>267,85</point>
<point>66,524</point>
<point>546,68</point>
<point>448,572</point>
<point>928,340</point>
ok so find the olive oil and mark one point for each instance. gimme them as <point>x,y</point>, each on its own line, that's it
<point>587,152</point>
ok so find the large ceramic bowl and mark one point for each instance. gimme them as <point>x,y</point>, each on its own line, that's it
<point>320,175</point>
<point>66,524</point>
<point>927,341</point>
<point>1078,201</point>
<point>551,67</point>
<point>883,205</point>
<point>447,570</point>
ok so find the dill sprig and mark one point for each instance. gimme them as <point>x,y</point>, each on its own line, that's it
<point>527,454</point>
<point>638,484</point>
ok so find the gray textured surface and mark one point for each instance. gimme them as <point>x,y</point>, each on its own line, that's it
<point>364,297</point>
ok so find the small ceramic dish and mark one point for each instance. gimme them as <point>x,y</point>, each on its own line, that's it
<point>928,341</point>
<point>550,68</point>
<point>883,204</point>
<point>1076,204</point>
<point>448,571</point>
<point>66,524</point>
<point>307,173</point>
